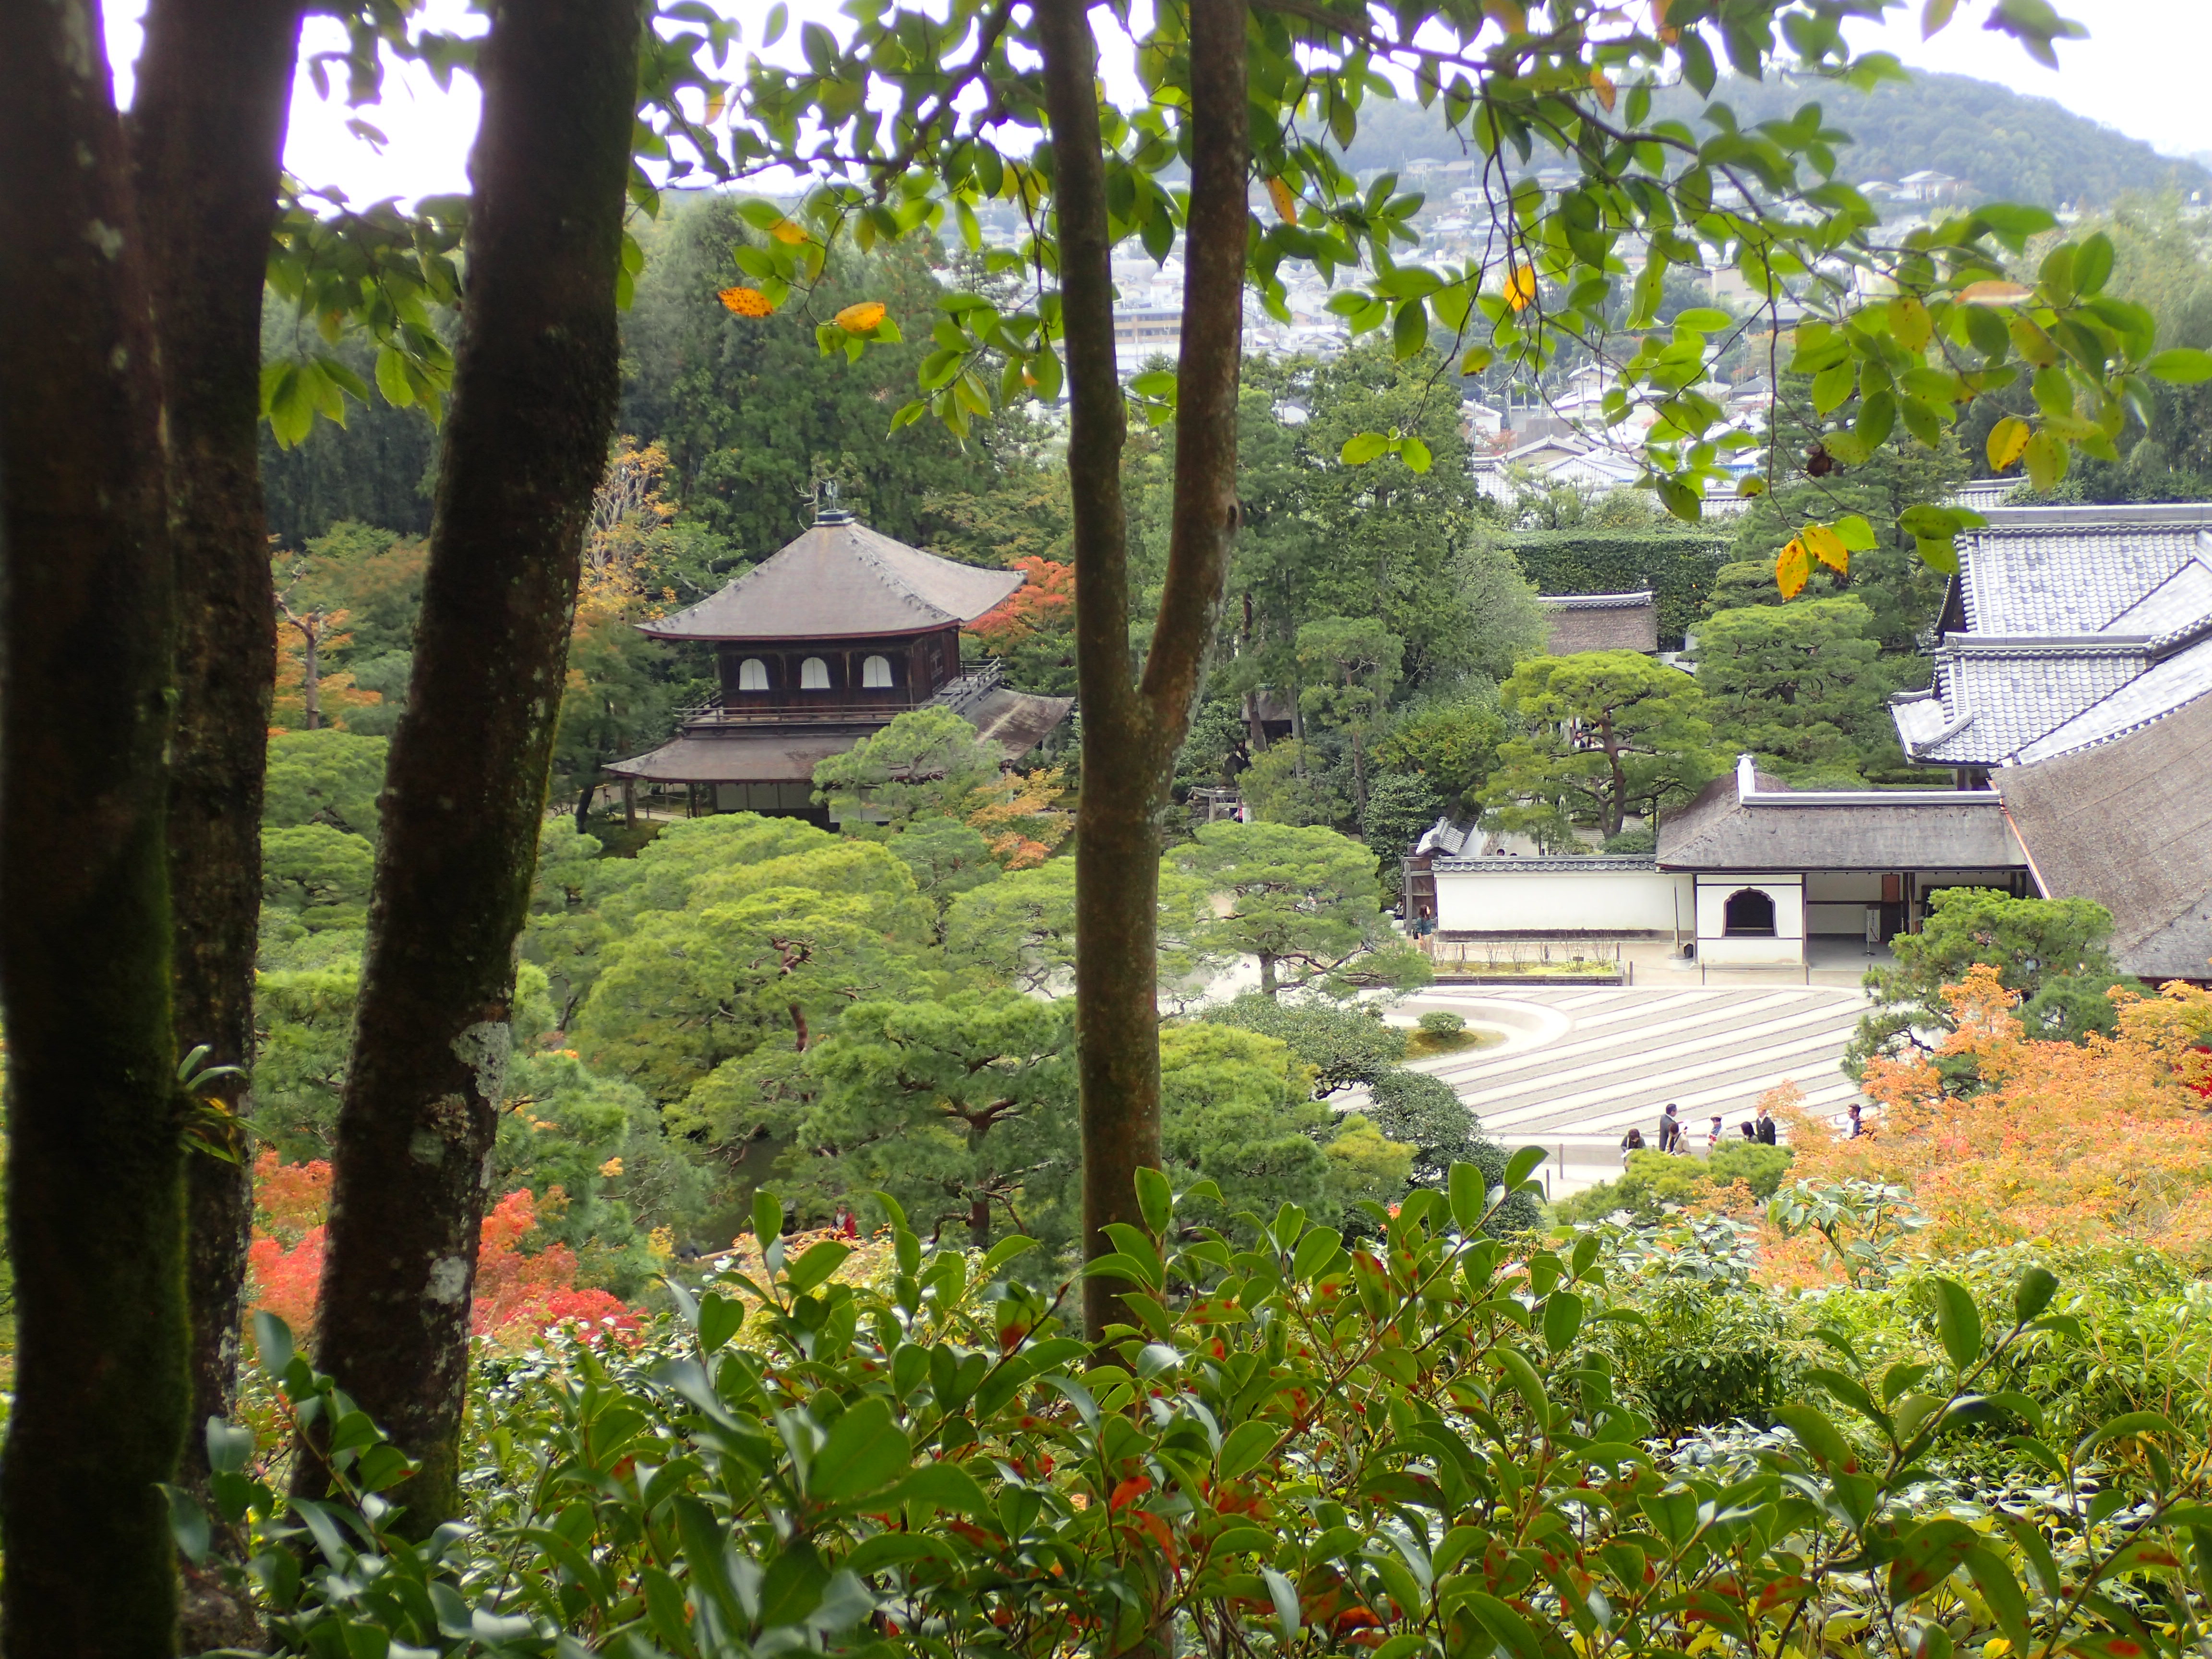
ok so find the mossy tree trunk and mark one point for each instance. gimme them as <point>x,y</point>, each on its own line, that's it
<point>207,131</point>
<point>1133,723</point>
<point>534,399</point>
<point>97,1192</point>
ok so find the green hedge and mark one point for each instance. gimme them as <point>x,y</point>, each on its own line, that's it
<point>1678,564</point>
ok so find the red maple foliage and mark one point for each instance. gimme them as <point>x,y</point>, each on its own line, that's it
<point>514,1290</point>
<point>1045,604</point>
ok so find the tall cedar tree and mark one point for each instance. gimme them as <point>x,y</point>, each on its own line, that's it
<point>1132,727</point>
<point>536,382</point>
<point>207,133</point>
<point>95,1179</point>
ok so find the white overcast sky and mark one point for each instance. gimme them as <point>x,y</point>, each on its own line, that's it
<point>2143,71</point>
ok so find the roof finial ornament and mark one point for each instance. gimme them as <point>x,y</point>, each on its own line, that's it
<point>828,508</point>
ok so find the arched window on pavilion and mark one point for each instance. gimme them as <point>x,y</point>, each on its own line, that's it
<point>814,675</point>
<point>1748,911</point>
<point>752,675</point>
<point>875,672</point>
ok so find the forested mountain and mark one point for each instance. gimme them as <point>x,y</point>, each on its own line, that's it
<point>2004,146</point>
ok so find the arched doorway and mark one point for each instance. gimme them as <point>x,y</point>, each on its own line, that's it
<point>1748,913</point>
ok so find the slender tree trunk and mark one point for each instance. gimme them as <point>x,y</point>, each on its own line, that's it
<point>1131,730</point>
<point>95,1180</point>
<point>534,397</point>
<point>311,670</point>
<point>214,90</point>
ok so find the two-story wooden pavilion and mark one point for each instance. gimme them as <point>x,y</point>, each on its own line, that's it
<point>817,647</point>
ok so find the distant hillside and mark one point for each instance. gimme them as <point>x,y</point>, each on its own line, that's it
<point>2004,147</point>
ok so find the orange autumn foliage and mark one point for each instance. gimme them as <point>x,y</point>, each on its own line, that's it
<point>1045,604</point>
<point>2106,1142</point>
<point>515,1294</point>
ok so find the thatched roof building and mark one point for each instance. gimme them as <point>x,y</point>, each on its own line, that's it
<point>1601,622</point>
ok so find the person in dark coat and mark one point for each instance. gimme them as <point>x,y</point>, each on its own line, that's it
<point>1670,1130</point>
<point>1767,1128</point>
<point>1631,1142</point>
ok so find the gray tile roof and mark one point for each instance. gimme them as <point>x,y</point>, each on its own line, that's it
<point>2081,625</point>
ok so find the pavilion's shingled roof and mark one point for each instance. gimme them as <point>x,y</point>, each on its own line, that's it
<point>1771,827</point>
<point>2128,823</point>
<point>841,580</point>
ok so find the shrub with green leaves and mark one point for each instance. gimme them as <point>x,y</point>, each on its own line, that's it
<point>1420,1441</point>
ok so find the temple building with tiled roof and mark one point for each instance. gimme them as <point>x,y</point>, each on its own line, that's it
<point>822,645</point>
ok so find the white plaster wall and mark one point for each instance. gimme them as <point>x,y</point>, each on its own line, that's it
<point>1788,897</point>
<point>1750,951</point>
<point>1836,919</point>
<point>1543,901</point>
<point>1843,887</point>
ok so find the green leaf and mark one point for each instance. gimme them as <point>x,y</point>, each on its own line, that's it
<point>865,1449</point>
<point>1958,1321</point>
<point>2046,460</point>
<point>1704,320</point>
<point>719,1318</point>
<point>1563,1320</point>
<point>1518,1166</point>
<point>1832,386</point>
<point>1363,448</point>
<point>1522,1375</point>
<point>1856,533</point>
<point>2036,1288</point>
<point>1284,1595</point>
<point>273,1338</point>
<point>1469,1199</point>
<point>942,1485</point>
<point>1154,1201</point>
<point>2002,1591</point>
<point>1415,454</point>
<point>1243,1446</point>
<point>767,1219</point>
<point>2121,1427</point>
<point>188,1524</point>
<point>1928,1556</point>
<point>1819,1438</point>
<point>2183,365</point>
<point>816,1265</point>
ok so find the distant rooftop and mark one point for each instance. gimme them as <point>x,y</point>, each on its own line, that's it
<point>841,580</point>
<point>2066,626</point>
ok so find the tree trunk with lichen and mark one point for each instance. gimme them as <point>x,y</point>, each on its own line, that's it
<point>1133,726</point>
<point>96,1181</point>
<point>207,134</point>
<point>534,389</point>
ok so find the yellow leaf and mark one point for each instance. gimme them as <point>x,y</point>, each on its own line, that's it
<point>1826,545</point>
<point>716,103</point>
<point>786,231</point>
<point>746,301</point>
<point>1754,485</point>
<point>1284,199</point>
<point>1908,323</point>
<point>2031,343</point>
<point>1512,16</point>
<point>1478,358</point>
<point>1993,292</point>
<point>1521,287</point>
<point>1791,569</point>
<point>860,318</point>
<point>2007,441</point>
<point>1602,83</point>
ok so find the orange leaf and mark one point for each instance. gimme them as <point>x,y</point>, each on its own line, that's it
<point>1521,287</point>
<point>1602,83</point>
<point>1284,199</point>
<point>1129,1492</point>
<point>746,301</point>
<point>1512,16</point>
<point>861,318</point>
<point>1791,569</point>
